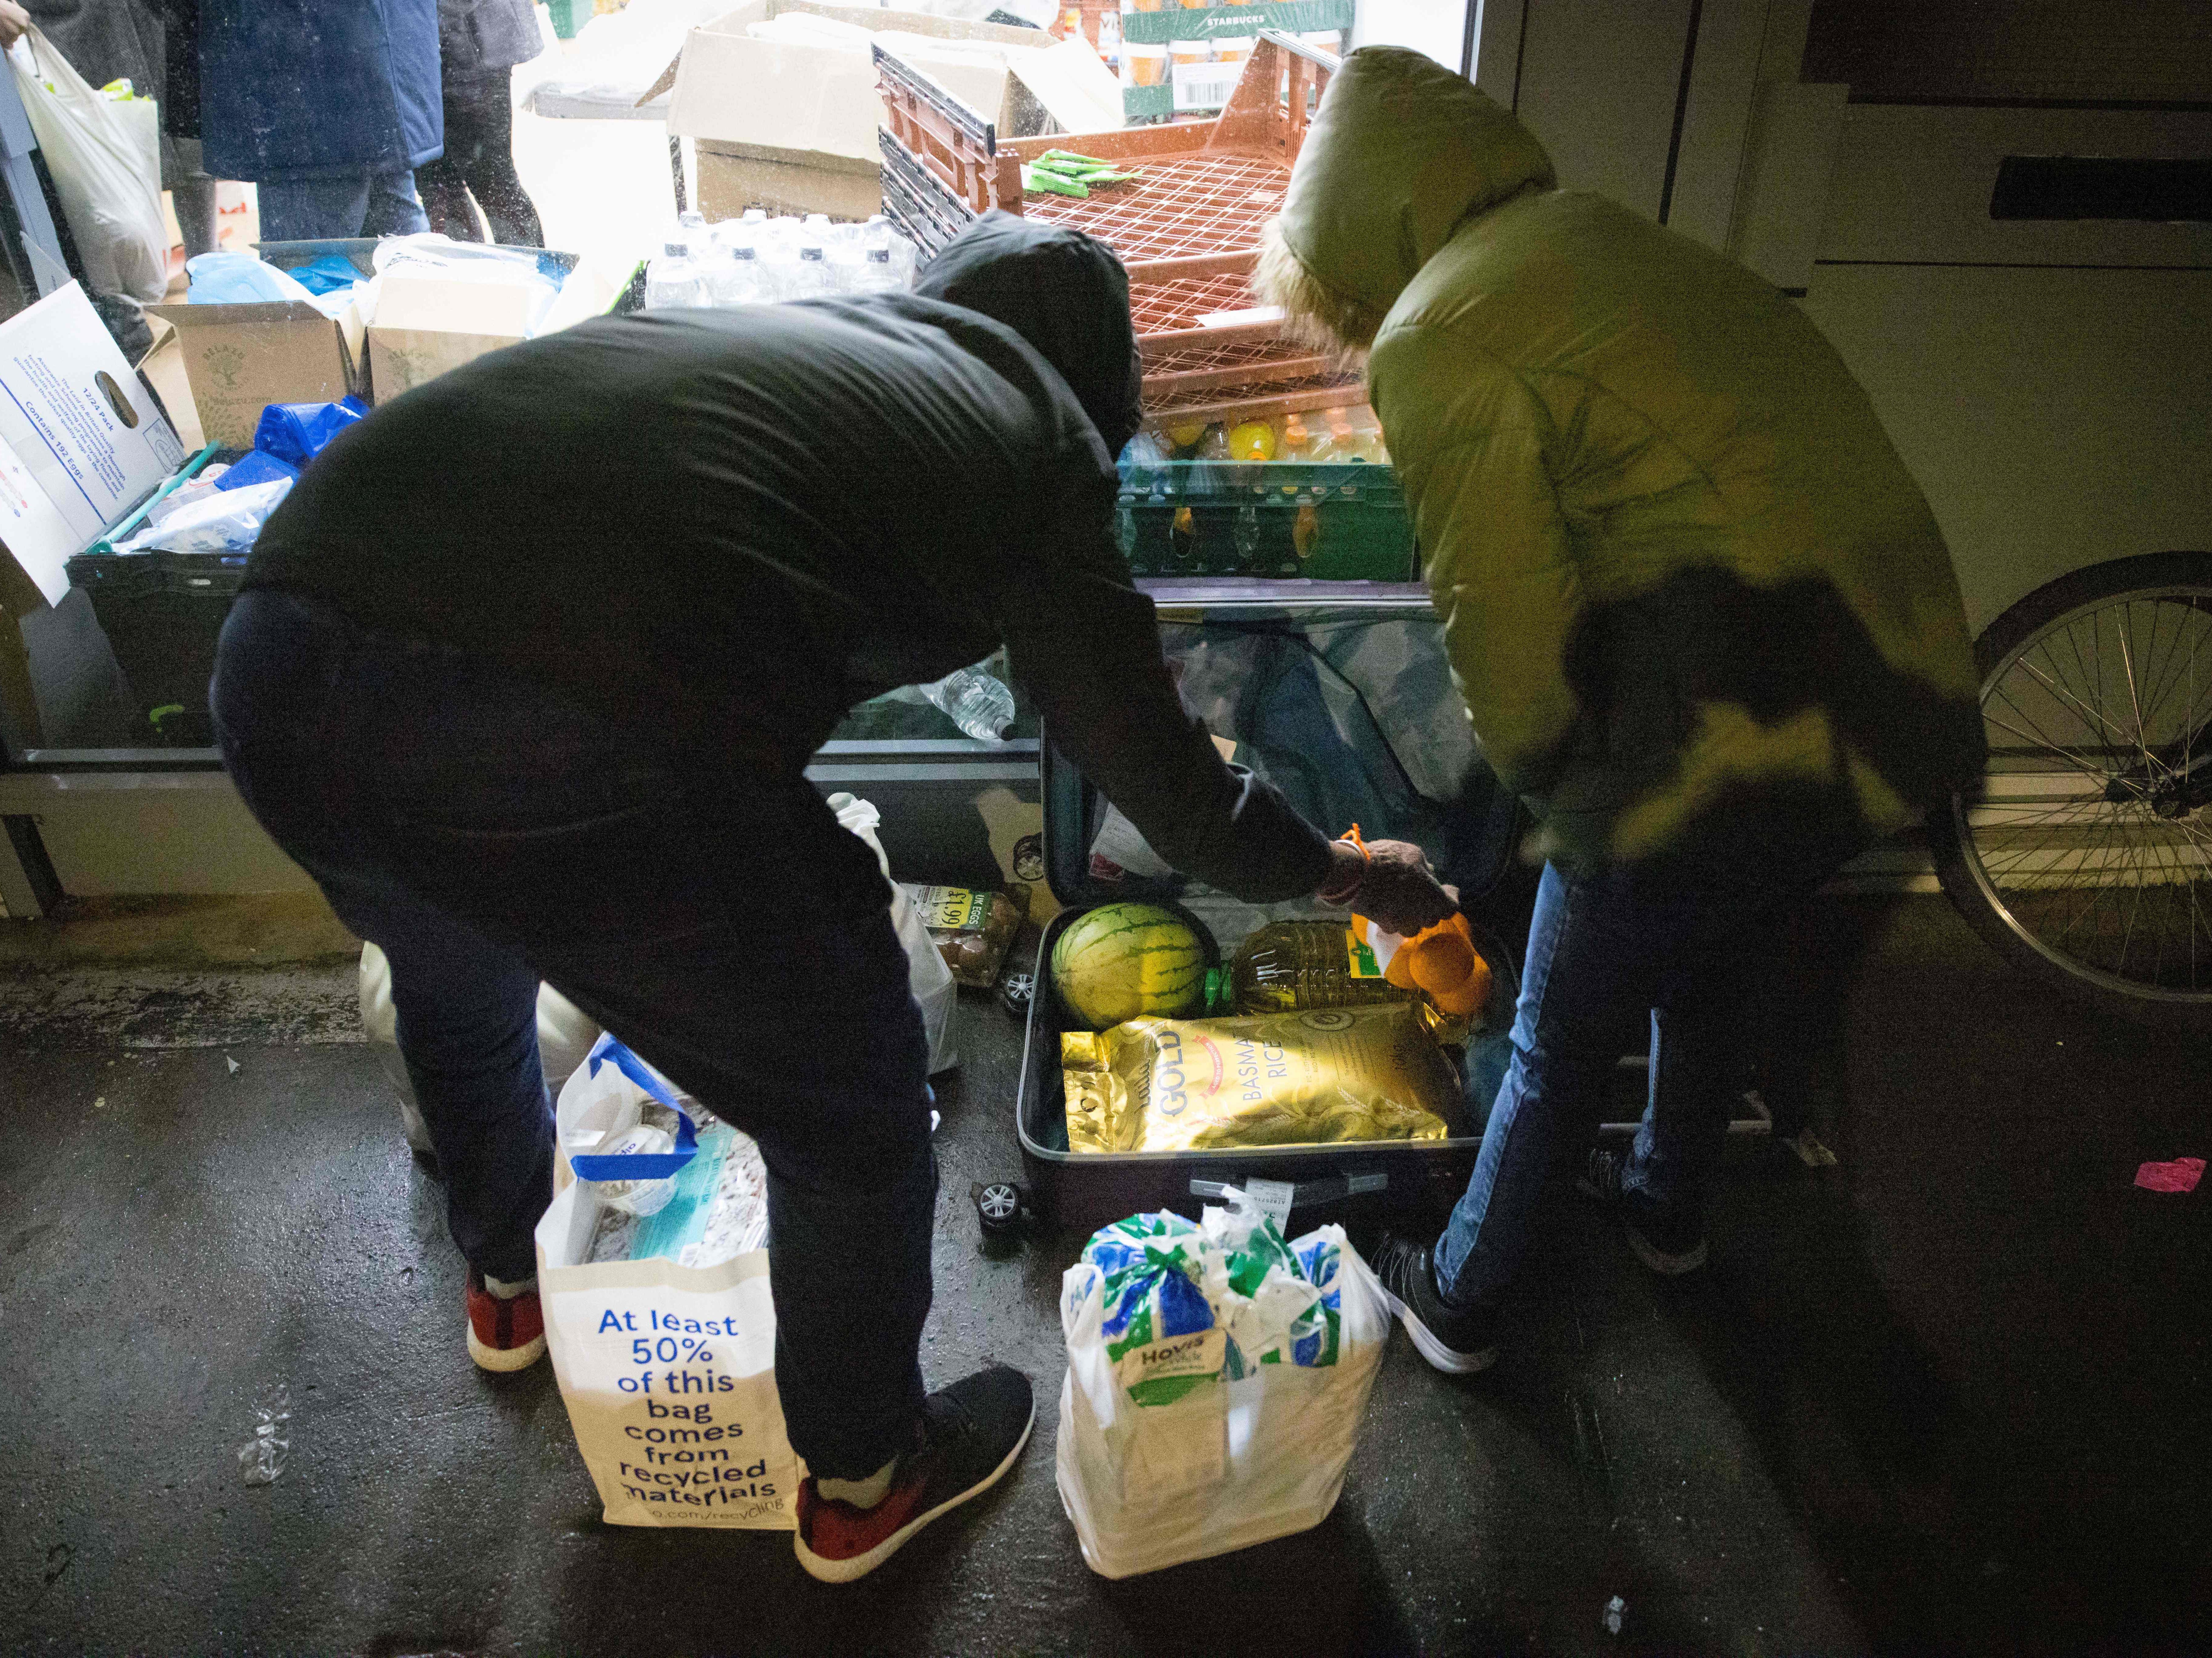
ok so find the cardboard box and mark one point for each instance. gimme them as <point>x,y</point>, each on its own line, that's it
<point>426,325</point>
<point>734,177</point>
<point>240,358</point>
<point>80,444</point>
<point>792,127</point>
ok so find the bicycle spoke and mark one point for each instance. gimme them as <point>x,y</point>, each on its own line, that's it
<point>2165,926</point>
<point>2096,688</point>
<point>2173,678</point>
<point>2005,864</point>
<point>2127,659</point>
<point>2184,902</point>
<point>2049,685</point>
<point>2179,876</point>
<point>2150,659</point>
<point>2082,907</point>
<point>2104,730</point>
<point>2074,760</point>
<point>2127,937</point>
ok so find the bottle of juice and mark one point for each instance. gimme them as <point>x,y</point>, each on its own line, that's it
<point>1367,435</point>
<point>1184,437</point>
<point>1289,967</point>
<point>1298,441</point>
<point>1333,445</point>
<point>1252,440</point>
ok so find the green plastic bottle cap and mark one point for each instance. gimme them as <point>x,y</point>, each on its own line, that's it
<point>1216,990</point>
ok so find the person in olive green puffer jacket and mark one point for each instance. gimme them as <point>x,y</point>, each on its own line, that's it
<point>1703,618</point>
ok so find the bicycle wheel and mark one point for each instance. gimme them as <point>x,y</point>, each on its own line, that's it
<point>2086,855</point>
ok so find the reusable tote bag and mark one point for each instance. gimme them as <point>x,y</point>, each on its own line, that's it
<point>668,1370</point>
<point>106,159</point>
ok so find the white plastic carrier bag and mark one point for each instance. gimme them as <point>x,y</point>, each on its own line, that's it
<point>1216,1380</point>
<point>106,160</point>
<point>935,987</point>
<point>667,1368</point>
<point>565,1035</point>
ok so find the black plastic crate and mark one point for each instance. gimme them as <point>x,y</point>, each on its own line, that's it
<point>163,613</point>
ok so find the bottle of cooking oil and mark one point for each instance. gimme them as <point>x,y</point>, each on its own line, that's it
<point>1290,967</point>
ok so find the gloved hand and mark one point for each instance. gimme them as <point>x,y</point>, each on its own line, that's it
<point>1393,886</point>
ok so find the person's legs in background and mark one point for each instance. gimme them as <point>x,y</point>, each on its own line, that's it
<point>479,159</point>
<point>192,192</point>
<point>445,193</point>
<point>311,209</point>
<point>393,208</point>
<point>1662,1179</point>
<point>359,204</point>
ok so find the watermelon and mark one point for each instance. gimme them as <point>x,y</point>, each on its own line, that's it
<point>1129,960</point>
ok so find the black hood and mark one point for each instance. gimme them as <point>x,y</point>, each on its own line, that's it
<point>1063,291</point>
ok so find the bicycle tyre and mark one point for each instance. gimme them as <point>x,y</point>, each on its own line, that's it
<point>2008,920</point>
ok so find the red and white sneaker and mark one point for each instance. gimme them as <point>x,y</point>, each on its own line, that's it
<point>968,1436</point>
<point>506,1333</point>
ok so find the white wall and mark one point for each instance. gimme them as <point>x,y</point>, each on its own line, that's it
<point>1436,26</point>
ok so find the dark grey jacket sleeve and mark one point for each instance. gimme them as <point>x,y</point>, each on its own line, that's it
<point>479,35</point>
<point>1085,645</point>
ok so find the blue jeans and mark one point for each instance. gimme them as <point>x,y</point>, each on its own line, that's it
<point>364,205</point>
<point>487,832</point>
<point>1670,941</point>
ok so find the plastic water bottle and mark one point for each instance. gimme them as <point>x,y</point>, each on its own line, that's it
<point>732,278</point>
<point>777,241</point>
<point>848,273</point>
<point>733,275</point>
<point>905,255</point>
<point>812,279</point>
<point>674,279</point>
<point>880,268</point>
<point>975,702</point>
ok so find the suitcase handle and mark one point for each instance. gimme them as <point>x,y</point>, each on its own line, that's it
<point>1306,1192</point>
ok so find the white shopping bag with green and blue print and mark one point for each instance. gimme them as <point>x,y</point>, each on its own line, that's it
<point>1216,1380</point>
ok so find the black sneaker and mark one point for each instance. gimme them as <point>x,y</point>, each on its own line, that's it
<point>1664,1239</point>
<point>1457,1343</point>
<point>969,1436</point>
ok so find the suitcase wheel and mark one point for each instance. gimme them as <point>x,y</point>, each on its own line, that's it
<point>1002,1207</point>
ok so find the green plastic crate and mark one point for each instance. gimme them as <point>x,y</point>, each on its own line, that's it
<point>1331,522</point>
<point>1173,22</point>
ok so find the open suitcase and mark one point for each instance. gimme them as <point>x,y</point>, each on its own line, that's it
<point>1340,692</point>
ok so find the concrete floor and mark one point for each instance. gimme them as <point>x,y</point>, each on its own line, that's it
<point>1949,1395</point>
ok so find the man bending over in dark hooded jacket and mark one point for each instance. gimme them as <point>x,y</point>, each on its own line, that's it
<point>526,673</point>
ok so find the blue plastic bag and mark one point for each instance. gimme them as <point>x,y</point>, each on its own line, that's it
<point>327,274</point>
<point>295,432</point>
<point>228,278</point>
<point>257,467</point>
